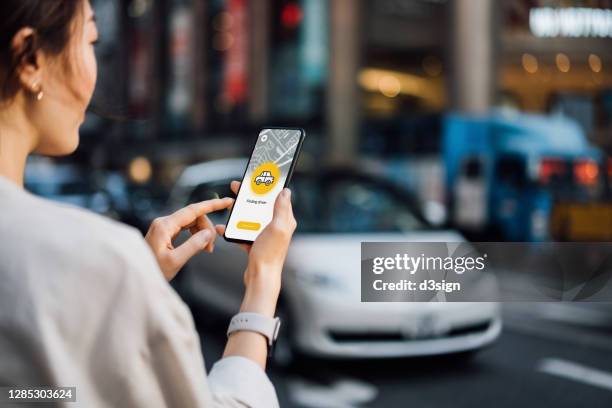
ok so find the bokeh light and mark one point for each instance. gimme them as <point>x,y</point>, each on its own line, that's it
<point>140,170</point>
<point>563,62</point>
<point>389,86</point>
<point>595,63</point>
<point>530,63</point>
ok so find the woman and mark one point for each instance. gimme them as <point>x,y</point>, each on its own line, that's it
<point>84,301</point>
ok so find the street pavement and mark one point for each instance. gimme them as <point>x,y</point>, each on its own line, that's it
<point>549,355</point>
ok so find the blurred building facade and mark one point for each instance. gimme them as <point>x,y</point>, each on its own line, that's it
<point>557,59</point>
<point>361,76</point>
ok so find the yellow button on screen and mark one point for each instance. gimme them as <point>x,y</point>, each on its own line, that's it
<point>246,225</point>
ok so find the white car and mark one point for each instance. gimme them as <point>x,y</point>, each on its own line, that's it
<point>320,302</point>
<point>265,177</point>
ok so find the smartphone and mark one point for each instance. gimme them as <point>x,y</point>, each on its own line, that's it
<point>269,170</point>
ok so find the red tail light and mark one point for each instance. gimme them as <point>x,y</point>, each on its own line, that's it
<point>586,172</point>
<point>551,167</point>
<point>609,168</point>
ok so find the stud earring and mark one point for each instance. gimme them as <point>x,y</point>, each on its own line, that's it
<point>37,89</point>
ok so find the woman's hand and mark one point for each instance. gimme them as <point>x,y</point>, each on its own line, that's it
<point>262,277</point>
<point>193,217</point>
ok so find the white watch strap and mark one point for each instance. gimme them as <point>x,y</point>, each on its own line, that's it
<point>255,322</point>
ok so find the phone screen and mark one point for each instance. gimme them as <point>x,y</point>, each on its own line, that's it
<point>266,175</point>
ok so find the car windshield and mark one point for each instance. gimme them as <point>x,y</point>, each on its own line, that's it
<point>351,205</point>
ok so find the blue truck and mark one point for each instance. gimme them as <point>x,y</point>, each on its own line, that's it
<point>506,171</point>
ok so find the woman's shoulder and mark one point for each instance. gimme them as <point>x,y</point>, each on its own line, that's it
<point>63,218</point>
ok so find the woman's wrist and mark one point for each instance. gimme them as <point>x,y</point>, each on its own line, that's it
<point>262,291</point>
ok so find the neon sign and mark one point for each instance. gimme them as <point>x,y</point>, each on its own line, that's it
<point>570,22</point>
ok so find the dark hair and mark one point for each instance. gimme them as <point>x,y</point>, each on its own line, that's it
<point>52,22</point>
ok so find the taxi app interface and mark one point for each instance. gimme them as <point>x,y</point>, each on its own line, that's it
<point>263,181</point>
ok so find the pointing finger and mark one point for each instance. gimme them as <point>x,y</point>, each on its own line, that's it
<point>189,248</point>
<point>189,214</point>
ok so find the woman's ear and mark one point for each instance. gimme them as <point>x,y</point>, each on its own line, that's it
<point>29,59</point>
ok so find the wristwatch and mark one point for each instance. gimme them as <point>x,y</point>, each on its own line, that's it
<point>258,323</point>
